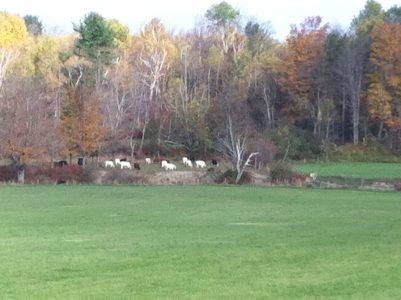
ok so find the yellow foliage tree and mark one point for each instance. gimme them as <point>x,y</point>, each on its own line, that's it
<point>384,89</point>
<point>12,35</point>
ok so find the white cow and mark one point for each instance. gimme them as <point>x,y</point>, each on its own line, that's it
<point>313,176</point>
<point>117,161</point>
<point>125,165</point>
<point>188,163</point>
<point>108,163</point>
<point>200,164</point>
<point>164,162</point>
<point>170,167</point>
<point>184,160</point>
<point>148,160</point>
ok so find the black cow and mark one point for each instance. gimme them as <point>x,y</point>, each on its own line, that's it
<point>215,162</point>
<point>60,163</point>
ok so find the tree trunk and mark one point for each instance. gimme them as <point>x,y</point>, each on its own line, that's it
<point>287,151</point>
<point>21,174</point>
<point>355,131</point>
<point>143,135</point>
<point>132,145</point>
<point>343,119</point>
<point>380,133</point>
<point>240,170</point>
<point>355,119</point>
<point>319,114</point>
<point>327,130</point>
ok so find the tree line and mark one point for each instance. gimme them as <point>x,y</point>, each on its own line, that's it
<point>221,87</point>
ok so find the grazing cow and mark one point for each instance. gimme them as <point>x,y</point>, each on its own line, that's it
<point>215,162</point>
<point>125,165</point>
<point>137,166</point>
<point>164,162</point>
<point>188,163</point>
<point>184,160</point>
<point>170,167</point>
<point>148,160</point>
<point>117,161</point>
<point>108,163</point>
<point>313,176</point>
<point>60,163</point>
<point>200,164</point>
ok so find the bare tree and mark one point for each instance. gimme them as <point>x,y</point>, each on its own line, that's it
<point>354,63</point>
<point>234,146</point>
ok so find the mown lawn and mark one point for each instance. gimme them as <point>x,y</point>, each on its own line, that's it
<point>354,169</point>
<point>182,242</point>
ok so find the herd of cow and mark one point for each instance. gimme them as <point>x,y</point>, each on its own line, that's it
<point>166,164</point>
<point>122,163</point>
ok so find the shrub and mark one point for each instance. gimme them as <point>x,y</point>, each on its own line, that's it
<point>89,174</point>
<point>38,174</point>
<point>8,173</point>
<point>281,172</point>
<point>294,143</point>
<point>230,176</point>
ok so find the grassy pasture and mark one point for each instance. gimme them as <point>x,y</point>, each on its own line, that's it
<point>354,170</point>
<point>203,242</point>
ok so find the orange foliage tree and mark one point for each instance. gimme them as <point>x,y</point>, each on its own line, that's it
<point>301,69</point>
<point>81,125</point>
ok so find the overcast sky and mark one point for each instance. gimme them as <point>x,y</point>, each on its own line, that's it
<point>57,16</point>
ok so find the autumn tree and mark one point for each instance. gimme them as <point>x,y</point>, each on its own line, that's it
<point>353,63</point>
<point>384,91</point>
<point>12,34</point>
<point>154,54</point>
<point>305,50</point>
<point>261,70</point>
<point>39,65</point>
<point>336,105</point>
<point>227,42</point>
<point>119,99</point>
<point>81,124</point>
<point>28,131</point>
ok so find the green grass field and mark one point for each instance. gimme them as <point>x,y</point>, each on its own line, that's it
<point>204,242</point>
<point>353,169</point>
